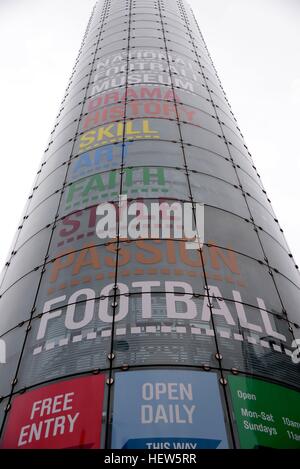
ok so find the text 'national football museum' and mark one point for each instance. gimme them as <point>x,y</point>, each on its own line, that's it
<point>115,335</point>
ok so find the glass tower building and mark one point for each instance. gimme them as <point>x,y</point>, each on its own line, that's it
<point>143,343</point>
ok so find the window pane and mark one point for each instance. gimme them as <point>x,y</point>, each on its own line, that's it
<point>170,336</point>
<point>17,302</point>
<point>13,342</point>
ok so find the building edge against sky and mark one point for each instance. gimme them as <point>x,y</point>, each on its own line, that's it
<point>143,343</point>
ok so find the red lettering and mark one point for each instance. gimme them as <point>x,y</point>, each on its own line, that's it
<point>131,94</point>
<point>152,108</point>
<point>169,110</point>
<point>117,112</point>
<point>134,106</point>
<point>93,216</point>
<point>112,97</point>
<point>69,221</point>
<point>92,120</point>
<point>94,103</point>
<point>153,93</point>
<point>170,95</point>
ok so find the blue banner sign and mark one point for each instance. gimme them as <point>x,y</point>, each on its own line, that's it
<point>162,409</point>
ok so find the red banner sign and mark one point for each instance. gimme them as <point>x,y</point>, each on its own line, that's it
<point>63,415</point>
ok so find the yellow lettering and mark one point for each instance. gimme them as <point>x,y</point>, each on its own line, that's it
<point>129,129</point>
<point>105,132</point>
<point>87,139</point>
<point>120,129</point>
<point>146,128</point>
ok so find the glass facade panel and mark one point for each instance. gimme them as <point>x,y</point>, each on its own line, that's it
<point>42,216</point>
<point>46,187</point>
<point>210,163</point>
<point>55,351</point>
<point>72,271</point>
<point>290,295</point>
<point>220,228</point>
<point>215,192</point>
<point>14,341</point>
<point>17,302</point>
<point>27,258</point>
<point>255,348</point>
<point>138,339</point>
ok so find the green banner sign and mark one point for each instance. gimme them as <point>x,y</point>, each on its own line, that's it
<point>267,415</point>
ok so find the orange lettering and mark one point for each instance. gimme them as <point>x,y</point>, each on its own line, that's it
<point>148,247</point>
<point>228,258</point>
<point>88,256</point>
<point>61,263</point>
<point>196,262</point>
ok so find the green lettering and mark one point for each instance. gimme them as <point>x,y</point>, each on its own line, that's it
<point>72,189</point>
<point>154,173</point>
<point>128,178</point>
<point>94,183</point>
<point>112,179</point>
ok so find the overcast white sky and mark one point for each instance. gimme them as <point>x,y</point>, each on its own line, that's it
<point>255,46</point>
